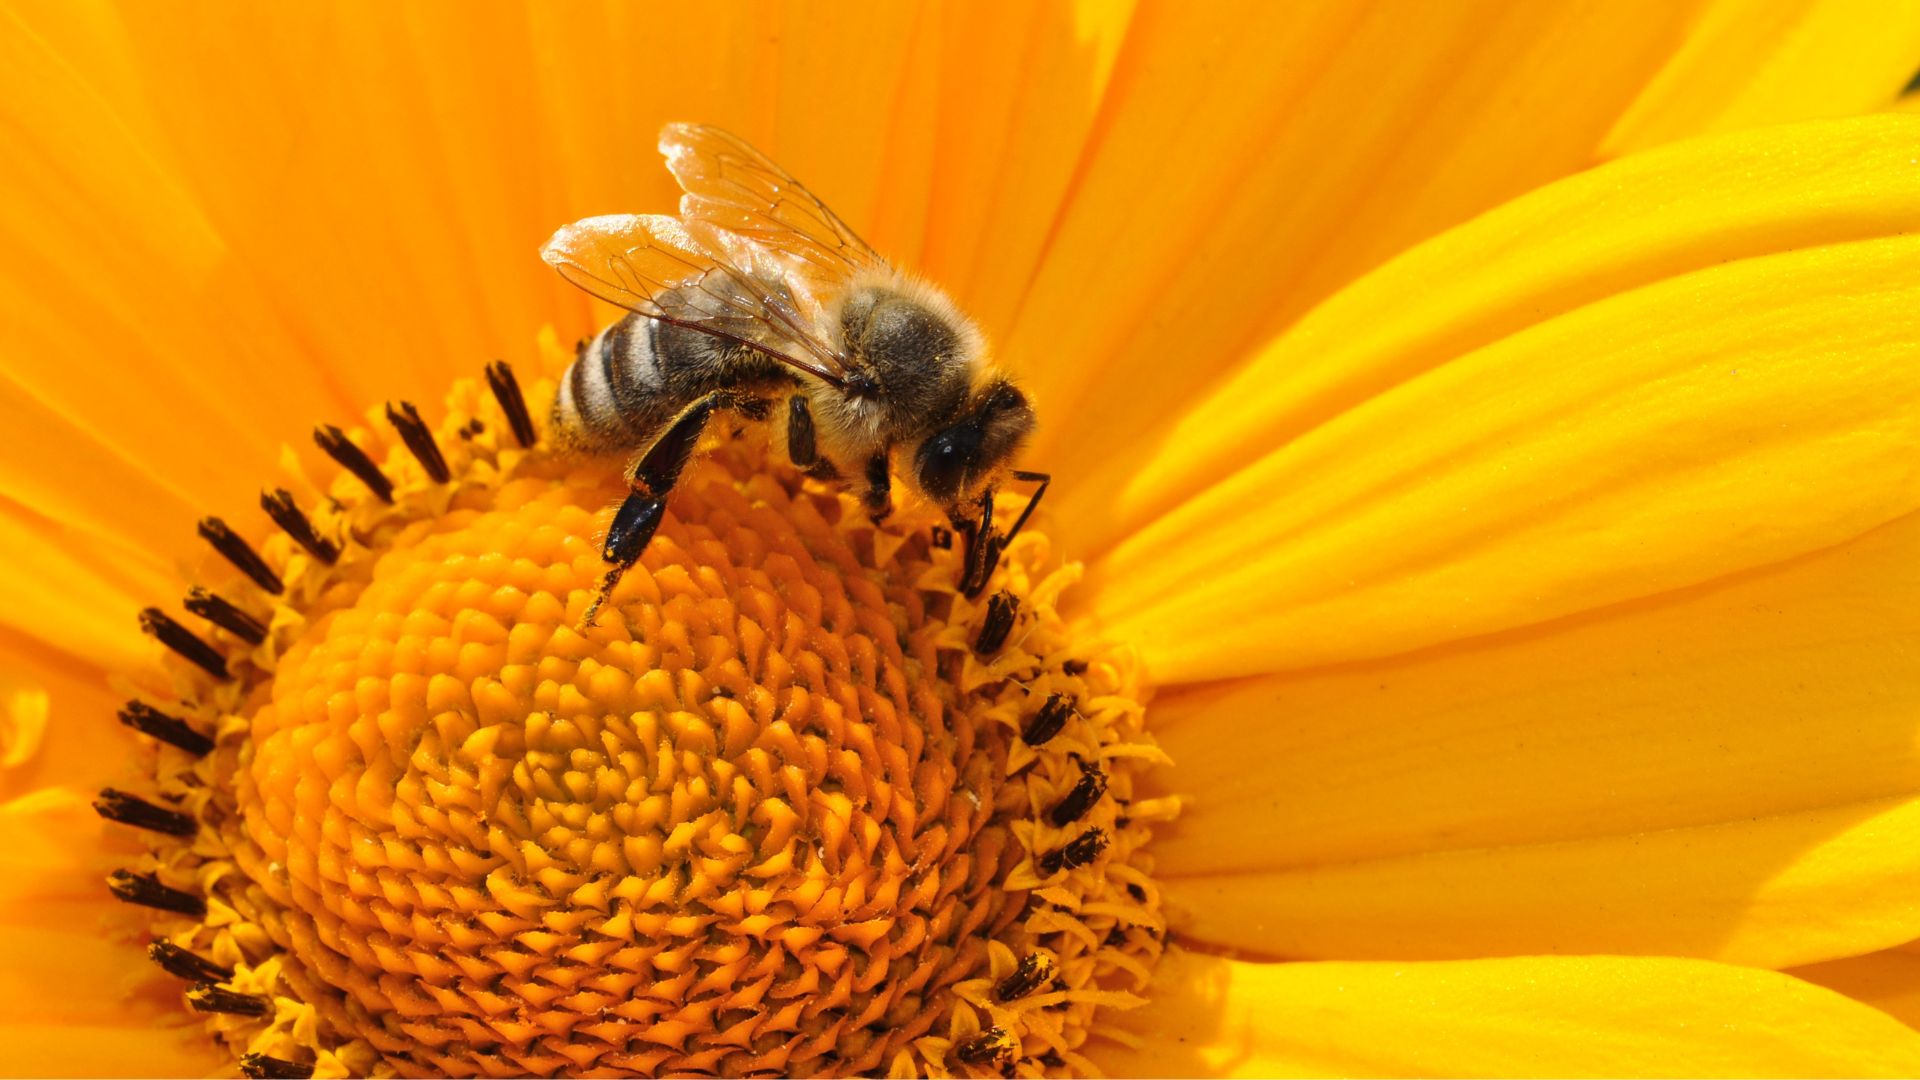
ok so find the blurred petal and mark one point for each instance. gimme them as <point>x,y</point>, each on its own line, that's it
<point>1748,64</point>
<point>81,745</point>
<point>1888,980</point>
<point>1729,772</point>
<point>109,1049</point>
<point>1571,1016</point>
<point>140,407</point>
<point>1497,430</point>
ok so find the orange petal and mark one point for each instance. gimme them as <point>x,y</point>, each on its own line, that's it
<point>1888,980</point>
<point>1717,773</point>
<point>81,745</point>
<point>1497,430</point>
<point>109,1049</point>
<point>1536,1016</point>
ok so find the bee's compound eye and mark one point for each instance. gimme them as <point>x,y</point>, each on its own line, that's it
<point>944,461</point>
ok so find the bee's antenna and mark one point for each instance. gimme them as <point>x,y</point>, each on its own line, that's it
<point>1038,493</point>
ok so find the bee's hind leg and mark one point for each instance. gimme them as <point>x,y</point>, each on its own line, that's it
<point>653,478</point>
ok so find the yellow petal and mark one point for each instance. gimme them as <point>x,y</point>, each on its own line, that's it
<point>1498,429</point>
<point>1888,980</point>
<point>1748,64</point>
<point>1772,892</point>
<point>1571,1016</point>
<point>1725,772</point>
<point>1253,158</point>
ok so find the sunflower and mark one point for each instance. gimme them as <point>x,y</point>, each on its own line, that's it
<point>1466,635</point>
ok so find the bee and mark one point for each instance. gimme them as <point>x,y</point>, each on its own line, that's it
<point>759,301</point>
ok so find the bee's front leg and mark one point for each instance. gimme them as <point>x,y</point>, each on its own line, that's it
<point>878,495</point>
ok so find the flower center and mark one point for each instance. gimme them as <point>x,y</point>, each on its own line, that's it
<point>791,804</point>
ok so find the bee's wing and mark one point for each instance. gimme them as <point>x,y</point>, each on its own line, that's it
<point>657,267</point>
<point>731,186</point>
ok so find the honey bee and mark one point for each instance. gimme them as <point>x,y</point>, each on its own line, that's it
<point>755,296</point>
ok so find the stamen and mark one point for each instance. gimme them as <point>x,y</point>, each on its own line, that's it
<point>206,997</point>
<point>182,964</point>
<point>146,890</point>
<point>1035,971</point>
<point>1001,609</point>
<point>419,439</point>
<point>171,730</point>
<point>992,1048</point>
<point>1092,785</point>
<point>1075,853</point>
<point>220,612</point>
<point>262,1067</point>
<point>116,805</point>
<point>1048,721</point>
<point>159,625</point>
<point>506,390</point>
<point>279,506</point>
<point>244,558</point>
<point>354,460</point>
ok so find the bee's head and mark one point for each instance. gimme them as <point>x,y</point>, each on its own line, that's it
<point>957,460</point>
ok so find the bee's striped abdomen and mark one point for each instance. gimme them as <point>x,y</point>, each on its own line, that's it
<point>610,399</point>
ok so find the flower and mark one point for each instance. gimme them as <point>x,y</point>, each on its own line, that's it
<point>1520,572</point>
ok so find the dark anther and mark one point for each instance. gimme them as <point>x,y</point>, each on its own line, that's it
<point>1135,891</point>
<point>1048,721</point>
<point>182,964</point>
<point>506,390</point>
<point>994,1047</point>
<point>220,612</point>
<point>941,537</point>
<point>159,625</point>
<point>419,439</point>
<point>278,504</point>
<point>145,718</point>
<point>1092,785</point>
<point>1075,853</point>
<point>1075,668</point>
<point>1001,608</point>
<point>244,559</point>
<point>1035,970</point>
<point>262,1067</point>
<point>206,997</point>
<point>354,460</point>
<point>116,805</point>
<point>1052,1060</point>
<point>146,890</point>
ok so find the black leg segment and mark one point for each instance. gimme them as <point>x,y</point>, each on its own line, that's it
<point>802,448</point>
<point>878,496</point>
<point>654,477</point>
